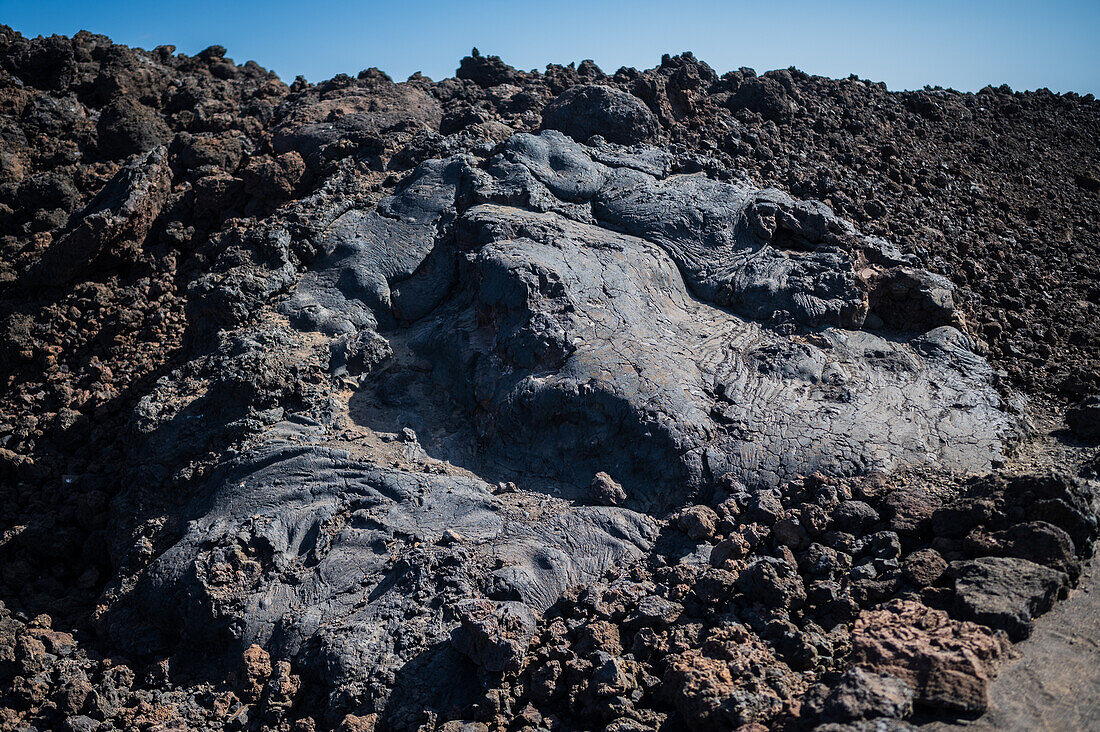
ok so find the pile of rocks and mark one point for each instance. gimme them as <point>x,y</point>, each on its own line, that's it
<point>827,602</point>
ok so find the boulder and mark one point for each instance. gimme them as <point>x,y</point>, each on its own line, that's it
<point>126,126</point>
<point>859,694</point>
<point>1005,593</point>
<point>1084,418</point>
<point>494,635</point>
<point>948,663</point>
<point>593,109</point>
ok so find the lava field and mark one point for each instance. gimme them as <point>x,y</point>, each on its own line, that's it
<point>542,401</point>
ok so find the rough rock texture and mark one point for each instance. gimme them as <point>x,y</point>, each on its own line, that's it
<point>948,663</point>
<point>594,109</point>
<point>114,225</point>
<point>495,637</point>
<point>300,545</point>
<point>1005,593</point>
<point>569,347</point>
<point>1053,663</point>
<point>861,695</point>
<point>1084,418</point>
<point>531,400</point>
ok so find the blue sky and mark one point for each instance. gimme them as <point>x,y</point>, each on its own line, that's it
<point>959,44</point>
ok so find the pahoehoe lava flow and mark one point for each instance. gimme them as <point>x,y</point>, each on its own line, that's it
<point>537,401</point>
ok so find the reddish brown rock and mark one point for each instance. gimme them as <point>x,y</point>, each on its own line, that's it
<point>947,663</point>
<point>274,177</point>
<point>698,522</point>
<point>720,686</point>
<point>924,567</point>
<point>254,672</point>
<point>354,723</point>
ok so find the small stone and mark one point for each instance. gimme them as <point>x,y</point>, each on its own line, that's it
<point>784,552</point>
<point>773,583</point>
<point>242,718</point>
<point>765,508</point>
<point>789,533</point>
<point>698,522</point>
<point>605,491</point>
<point>81,723</point>
<point>814,519</point>
<point>73,692</point>
<point>881,545</point>
<point>729,509</point>
<point>458,725</point>
<point>305,724</point>
<point>924,567</point>
<point>863,572</point>
<point>450,536</point>
<point>282,689</point>
<point>823,592</point>
<point>654,611</point>
<point>733,548</point>
<point>598,635</point>
<point>754,534</point>
<point>360,353</point>
<point>354,723</point>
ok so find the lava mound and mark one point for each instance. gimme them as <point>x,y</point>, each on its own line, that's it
<point>569,317</point>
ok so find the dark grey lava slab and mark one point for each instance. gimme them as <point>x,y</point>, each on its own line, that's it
<point>351,568</point>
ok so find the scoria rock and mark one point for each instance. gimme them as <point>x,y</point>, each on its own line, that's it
<point>947,663</point>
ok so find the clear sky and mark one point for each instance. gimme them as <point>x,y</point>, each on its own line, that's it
<point>960,44</point>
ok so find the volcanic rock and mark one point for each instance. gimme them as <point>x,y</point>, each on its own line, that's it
<point>494,637</point>
<point>947,663</point>
<point>1084,418</point>
<point>593,109</point>
<point>1005,593</point>
<point>860,695</point>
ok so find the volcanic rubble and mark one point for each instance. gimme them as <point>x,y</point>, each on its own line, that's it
<point>533,400</point>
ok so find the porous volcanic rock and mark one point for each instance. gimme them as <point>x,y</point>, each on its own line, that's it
<point>946,662</point>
